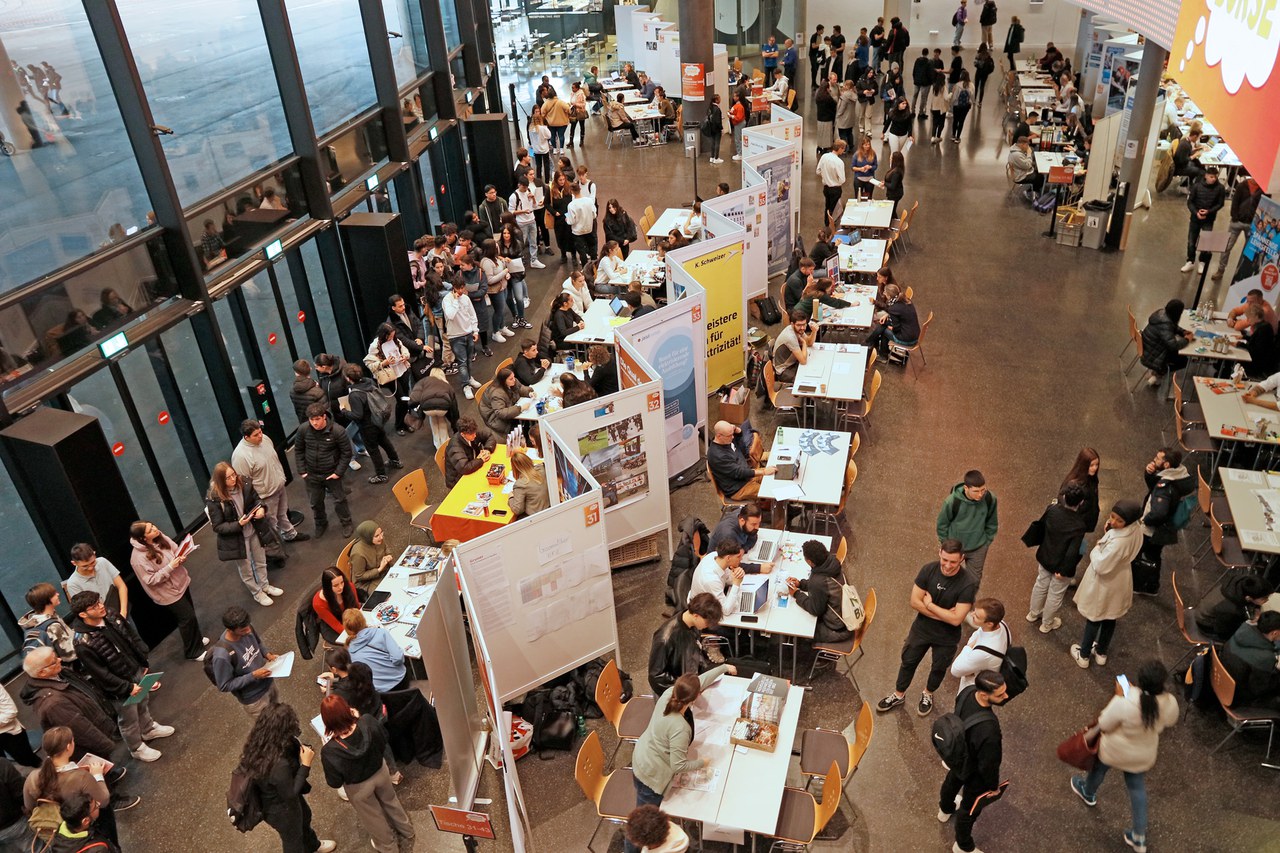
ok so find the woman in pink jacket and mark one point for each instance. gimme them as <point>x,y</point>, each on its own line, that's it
<point>161,570</point>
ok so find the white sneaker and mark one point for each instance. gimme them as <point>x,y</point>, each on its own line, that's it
<point>1153,379</point>
<point>272,590</point>
<point>327,846</point>
<point>1188,266</point>
<point>146,753</point>
<point>1200,268</point>
<point>468,393</point>
<point>1074,651</point>
<point>342,795</point>
<point>200,656</point>
<point>955,848</point>
<point>158,731</point>
<point>353,465</point>
<point>1100,660</point>
<point>737,156</point>
<point>1033,617</point>
<point>263,599</point>
<point>498,337</point>
<point>475,384</point>
<point>537,265</point>
<point>1051,625</point>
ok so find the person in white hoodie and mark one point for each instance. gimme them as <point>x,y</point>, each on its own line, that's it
<point>1130,727</point>
<point>652,831</point>
<point>985,645</point>
<point>463,331</point>
<point>1106,592</point>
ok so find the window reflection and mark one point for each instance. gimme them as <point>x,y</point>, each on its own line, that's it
<point>449,15</point>
<point>409,49</point>
<point>236,224</point>
<point>353,153</point>
<point>334,58</point>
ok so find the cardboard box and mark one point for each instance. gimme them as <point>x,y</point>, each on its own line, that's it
<point>760,713</point>
<point>736,413</point>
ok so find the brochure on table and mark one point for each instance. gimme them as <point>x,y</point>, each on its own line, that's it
<point>746,209</point>
<point>715,264</point>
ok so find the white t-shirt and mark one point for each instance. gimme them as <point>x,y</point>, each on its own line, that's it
<point>709,577</point>
<point>971,661</point>
<point>101,582</point>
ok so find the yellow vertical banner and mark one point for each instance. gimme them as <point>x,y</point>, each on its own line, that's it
<point>719,272</point>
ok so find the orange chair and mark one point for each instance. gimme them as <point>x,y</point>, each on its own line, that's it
<point>801,817</point>
<point>629,718</point>
<point>835,652</point>
<point>411,492</point>
<point>440,452</point>
<point>819,747</point>
<point>1224,687</point>
<point>614,794</point>
<point>343,563</point>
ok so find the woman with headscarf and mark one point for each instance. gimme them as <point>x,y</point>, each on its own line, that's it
<point>370,557</point>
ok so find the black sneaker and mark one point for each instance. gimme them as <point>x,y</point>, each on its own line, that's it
<point>925,707</point>
<point>320,530</point>
<point>486,352</point>
<point>395,463</point>
<point>890,702</point>
<point>300,537</point>
<point>124,803</point>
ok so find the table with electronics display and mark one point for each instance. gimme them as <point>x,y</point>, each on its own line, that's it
<point>834,372</point>
<point>745,788</point>
<point>473,506</point>
<point>599,322</point>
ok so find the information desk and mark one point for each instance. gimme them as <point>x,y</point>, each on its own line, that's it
<point>1251,495</point>
<point>746,791</point>
<point>672,217</point>
<point>615,84</point>
<point>647,268</point>
<point>1034,80</point>
<point>1231,421</point>
<point>542,391</point>
<point>1202,347</point>
<point>864,258</point>
<point>451,520</point>
<point>599,325</point>
<point>867,214</point>
<point>825,454</point>
<point>409,602</point>
<point>859,314</point>
<point>835,372</point>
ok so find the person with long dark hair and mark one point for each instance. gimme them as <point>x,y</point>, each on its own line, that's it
<point>619,226</point>
<point>961,103</point>
<point>58,777</point>
<point>1129,737</point>
<point>279,763</point>
<point>334,597</point>
<point>388,361</point>
<point>1085,472</point>
<point>353,681</point>
<point>353,761</point>
<point>238,516</point>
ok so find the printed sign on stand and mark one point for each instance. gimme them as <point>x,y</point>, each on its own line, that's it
<point>462,822</point>
<point>693,81</point>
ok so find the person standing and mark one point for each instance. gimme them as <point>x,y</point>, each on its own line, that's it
<point>163,573</point>
<point>985,748</point>
<point>958,20</point>
<point>737,121</point>
<point>305,389</point>
<point>524,204</point>
<point>831,172</point>
<point>321,451</point>
<point>986,646</point>
<point>942,596</point>
<point>1129,730</point>
<point>815,54</point>
<point>896,42</point>
<point>1244,204</point>
<point>846,111</point>
<point>983,67</point>
<point>1013,41</point>
<point>922,79</point>
<point>238,518</point>
<point>463,331</point>
<point>1168,484</point>
<point>13,737</point>
<point>581,219</point>
<point>556,114</point>
<point>279,764</point>
<point>987,19</point>
<point>1085,472</point>
<point>1063,530</point>
<point>900,123</point>
<point>353,761</point>
<point>824,105</point>
<point>894,177</point>
<point>961,103</point>
<point>790,60</point>
<point>388,360</point>
<point>939,104</point>
<point>256,461</point>
<point>837,52</point>
<point>769,58</point>
<point>1205,198</point>
<point>969,514</point>
<point>370,408</point>
<point>864,164</point>
<point>59,777</point>
<point>238,662</point>
<point>61,697</point>
<point>1106,591</point>
<point>712,128</point>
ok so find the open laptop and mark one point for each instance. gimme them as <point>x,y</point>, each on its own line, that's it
<point>754,600</point>
<point>616,305</point>
<point>763,551</point>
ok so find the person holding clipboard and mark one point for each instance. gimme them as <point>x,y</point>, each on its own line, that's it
<point>115,657</point>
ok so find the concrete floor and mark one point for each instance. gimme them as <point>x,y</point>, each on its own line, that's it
<point>1022,372</point>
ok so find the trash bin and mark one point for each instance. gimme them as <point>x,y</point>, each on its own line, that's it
<point>1096,215</point>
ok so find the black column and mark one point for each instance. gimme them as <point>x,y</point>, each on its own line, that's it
<point>378,262</point>
<point>384,78</point>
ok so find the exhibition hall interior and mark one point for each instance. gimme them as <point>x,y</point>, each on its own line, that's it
<point>547,425</point>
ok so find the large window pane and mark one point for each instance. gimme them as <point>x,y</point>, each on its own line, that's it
<point>334,59</point>
<point>26,560</point>
<point>292,309</point>
<point>268,334</point>
<point>320,296</point>
<point>79,189</point>
<point>449,15</point>
<point>208,76</point>
<point>409,51</point>
<point>240,364</point>
<point>193,381</point>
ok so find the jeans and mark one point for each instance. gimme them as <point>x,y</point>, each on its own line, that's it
<point>16,837</point>
<point>317,486</point>
<point>1097,637</point>
<point>498,309</point>
<point>278,514</point>
<point>920,100</point>
<point>913,651</point>
<point>974,560</point>
<point>135,720</point>
<point>979,86</point>
<point>714,140</point>
<point>463,346</point>
<point>737,139</point>
<point>272,697</point>
<point>1047,594</point>
<point>584,245</point>
<point>1235,229</point>
<point>529,233</point>
<point>292,819</point>
<point>1137,785</point>
<point>483,311</point>
<point>1194,228</point>
<point>517,293</point>
<point>645,796</point>
<point>959,34</point>
<point>357,443</point>
<point>965,818</point>
<point>253,568</point>
<point>580,125</point>
<point>557,140</point>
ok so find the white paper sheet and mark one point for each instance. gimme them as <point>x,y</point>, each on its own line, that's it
<point>493,604</point>
<point>1256,538</point>
<point>553,546</point>
<point>1240,476</point>
<point>559,615</point>
<point>573,572</point>
<point>535,622</point>
<point>787,490</point>
<point>282,666</point>
<point>596,559</point>
<point>601,595</point>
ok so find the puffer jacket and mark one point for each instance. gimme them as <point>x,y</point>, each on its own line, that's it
<point>500,408</point>
<point>113,654</point>
<point>304,392</point>
<point>321,452</point>
<point>224,518</point>
<point>819,594</point>
<point>1206,196</point>
<point>432,394</point>
<point>1167,489</point>
<point>335,387</point>
<point>695,539</point>
<point>1161,339</point>
<point>1064,529</point>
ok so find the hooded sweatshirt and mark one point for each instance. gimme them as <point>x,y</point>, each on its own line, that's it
<point>378,650</point>
<point>818,594</point>
<point>1225,609</point>
<point>41,630</point>
<point>165,585</point>
<point>974,523</point>
<point>354,759</point>
<point>366,558</point>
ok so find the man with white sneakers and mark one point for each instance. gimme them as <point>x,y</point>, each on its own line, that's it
<point>463,332</point>
<point>1205,198</point>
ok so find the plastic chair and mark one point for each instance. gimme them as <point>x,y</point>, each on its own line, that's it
<point>629,718</point>
<point>820,747</point>
<point>1192,413</point>
<point>831,518</point>
<point>1132,325</point>
<point>857,414</point>
<point>613,794</point>
<point>909,294</point>
<point>506,362</point>
<point>1227,549</point>
<point>835,652</point>
<point>411,492</point>
<point>1194,440</point>
<point>801,817</point>
<point>440,453</point>
<point>904,352</point>
<point>854,443</point>
<point>1209,502</point>
<point>1224,687</point>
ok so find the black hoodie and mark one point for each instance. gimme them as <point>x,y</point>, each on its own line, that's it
<point>818,594</point>
<point>354,759</point>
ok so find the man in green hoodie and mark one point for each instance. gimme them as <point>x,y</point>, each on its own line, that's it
<point>969,514</point>
<point>1251,658</point>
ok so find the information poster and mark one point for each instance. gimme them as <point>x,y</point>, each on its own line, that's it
<point>719,272</point>
<point>746,208</point>
<point>775,169</point>
<point>1259,265</point>
<point>615,456</point>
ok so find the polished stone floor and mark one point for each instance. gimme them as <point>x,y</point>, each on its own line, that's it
<point>1022,371</point>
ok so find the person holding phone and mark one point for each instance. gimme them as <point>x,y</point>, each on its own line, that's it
<point>1129,730</point>
<point>238,517</point>
<point>279,764</point>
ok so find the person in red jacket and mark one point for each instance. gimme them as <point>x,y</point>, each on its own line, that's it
<point>335,595</point>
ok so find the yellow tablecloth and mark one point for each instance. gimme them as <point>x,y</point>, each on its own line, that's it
<point>450,522</point>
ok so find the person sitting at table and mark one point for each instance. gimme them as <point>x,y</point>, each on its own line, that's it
<point>612,275</point>
<point>1251,659</point>
<point>820,594</point>
<point>794,289</point>
<point>604,373</point>
<point>650,829</point>
<point>469,451</point>
<point>373,646</point>
<point>677,648</point>
<point>665,108</point>
<point>676,239</point>
<point>777,91</point>
<point>575,390</point>
<point>646,300</point>
<point>1022,167</point>
<point>504,401</point>
<point>743,526</point>
<point>1186,155</point>
<point>529,492</point>
<point>1051,55</point>
<point>720,573</point>
<point>1260,342</point>
<point>1237,600</point>
<point>692,227</point>
<point>1236,318</point>
<point>529,365</point>
<point>616,116</point>
<point>824,248</point>
<point>564,320</point>
<point>1023,128</point>
<point>663,750</point>
<point>370,557</point>
<point>629,74</point>
<point>896,323</point>
<point>791,349</point>
<point>648,88</point>
<point>819,291</point>
<point>1163,340</point>
<point>334,597</point>
<point>733,457</point>
<point>576,286</point>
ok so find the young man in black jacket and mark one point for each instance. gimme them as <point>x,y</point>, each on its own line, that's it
<point>922,79</point>
<point>372,429</point>
<point>1169,483</point>
<point>677,646</point>
<point>77,834</point>
<point>322,450</point>
<point>469,449</point>
<point>115,657</point>
<point>1244,204</point>
<point>985,745</point>
<point>1204,200</point>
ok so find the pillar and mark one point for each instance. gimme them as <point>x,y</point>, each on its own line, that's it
<point>11,95</point>
<point>1144,104</point>
<point>697,35</point>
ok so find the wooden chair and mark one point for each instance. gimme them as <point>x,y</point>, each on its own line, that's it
<point>506,362</point>
<point>854,443</point>
<point>831,518</point>
<point>909,294</point>
<point>480,392</point>
<point>892,247</point>
<point>613,794</point>
<point>440,452</point>
<point>904,352</point>
<point>343,563</point>
<point>791,97</point>
<point>1133,324</point>
<point>819,747</point>
<point>1224,687</point>
<point>842,550</point>
<point>648,211</point>
<point>1185,617</point>
<point>872,357</point>
<point>801,817</point>
<point>782,399</point>
<point>1192,413</point>
<point>860,415</point>
<point>835,652</point>
<point>1210,502</point>
<point>911,220</point>
<point>629,718</point>
<point>411,492</point>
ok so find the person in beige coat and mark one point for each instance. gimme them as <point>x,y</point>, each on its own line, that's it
<point>555,113</point>
<point>1106,593</point>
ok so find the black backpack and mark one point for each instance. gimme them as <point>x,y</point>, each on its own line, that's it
<point>769,313</point>
<point>244,804</point>
<point>949,739</point>
<point>555,727</point>
<point>380,406</point>
<point>1013,664</point>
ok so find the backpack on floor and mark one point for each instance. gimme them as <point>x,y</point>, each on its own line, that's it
<point>244,805</point>
<point>769,314</point>
<point>949,739</point>
<point>554,728</point>
<point>1013,664</point>
<point>1044,203</point>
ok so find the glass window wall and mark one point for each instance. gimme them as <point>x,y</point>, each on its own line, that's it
<point>320,297</point>
<point>239,223</point>
<point>449,15</point>
<point>409,49</point>
<point>26,558</point>
<point>192,381</point>
<point>334,58</point>
<point>348,156</point>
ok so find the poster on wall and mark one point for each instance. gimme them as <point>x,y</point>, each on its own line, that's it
<point>693,81</point>
<point>569,482</point>
<point>716,266</point>
<point>774,168</point>
<point>746,208</point>
<point>1259,265</point>
<point>615,456</point>
<point>1123,70</point>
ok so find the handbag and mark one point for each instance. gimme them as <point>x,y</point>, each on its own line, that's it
<point>549,219</point>
<point>1079,750</point>
<point>1033,536</point>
